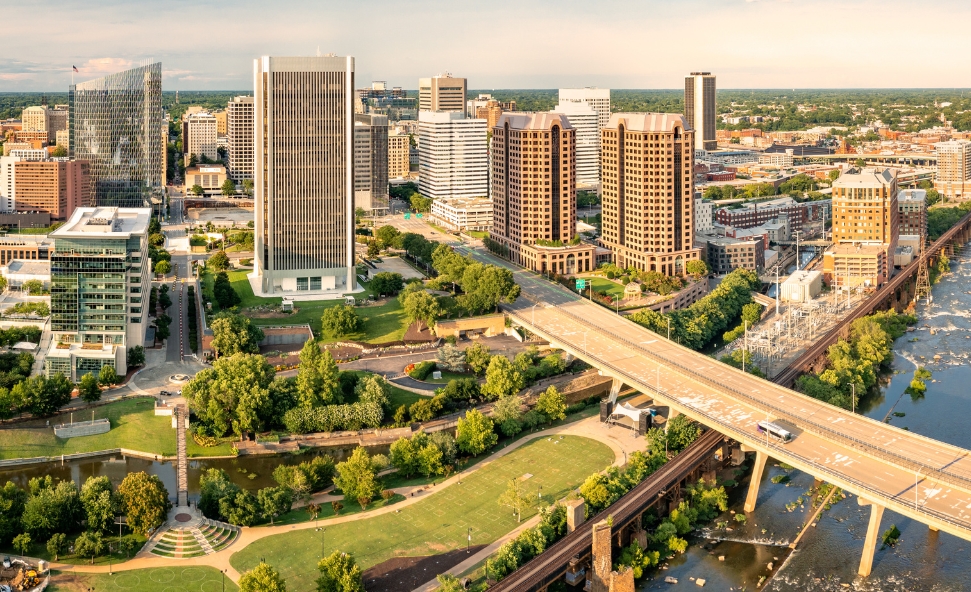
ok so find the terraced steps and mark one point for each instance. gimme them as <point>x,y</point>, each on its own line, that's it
<point>203,538</point>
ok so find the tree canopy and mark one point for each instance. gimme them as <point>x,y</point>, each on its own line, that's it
<point>233,395</point>
<point>234,333</point>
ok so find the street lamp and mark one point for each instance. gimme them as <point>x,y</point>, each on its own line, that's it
<point>468,544</point>
<point>321,531</point>
<point>669,328</point>
<point>223,572</point>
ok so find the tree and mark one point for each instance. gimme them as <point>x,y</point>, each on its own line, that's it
<point>248,186</point>
<point>233,334</point>
<point>56,544</point>
<point>107,375</point>
<point>3,284</point>
<point>33,287</point>
<point>59,151</point>
<point>157,239</point>
<point>859,163</point>
<point>373,388</point>
<point>339,573</point>
<point>318,380</point>
<point>144,500</point>
<point>420,204</point>
<point>229,188</point>
<point>99,507</point>
<point>163,268</point>
<point>162,323</point>
<point>834,174</point>
<point>275,501</point>
<point>42,396</point>
<point>21,543</point>
<point>292,478</point>
<point>516,498</point>
<point>340,320</point>
<point>51,508</point>
<point>313,509</point>
<point>474,434</point>
<point>422,308</point>
<point>214,486</point>
<point>696,268</point>
<point>196,190</point>
<point>477,358</point>
<point>461,389</point>
<point>507,412</point>
<point>386,283</point>
<point>373,249</point>
<point>12,502</point>
<point>89,544</point>
<point>233,395</point>
<point>355,477</point>
<point>242,510</point>
<point>451,358</point>
<point>88,388</point>
<point>219,261</point>
<point>551,404</point>
<point>223,292</point>
<point>387,235</point>
<point>501,379</point>
<point>449,583</point>
<point>136,356</point>
<point>262,578</point>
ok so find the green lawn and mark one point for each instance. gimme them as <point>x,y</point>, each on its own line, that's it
<point>447,376</point>
<point>133,425</point>
<point>439,523</point>
<point>611,287</point>
<point>195,578</point>
<point>40,550</point>
<point>480,234</point>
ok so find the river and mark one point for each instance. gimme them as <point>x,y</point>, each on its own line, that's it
<point>829,553</point>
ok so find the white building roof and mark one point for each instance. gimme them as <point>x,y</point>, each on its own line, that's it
<point>105,222</point>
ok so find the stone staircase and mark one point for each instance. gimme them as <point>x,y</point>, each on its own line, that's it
<point>196,538</point>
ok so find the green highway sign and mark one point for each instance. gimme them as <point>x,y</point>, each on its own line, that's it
<point>581,284</point>
<point>407,216</point>
<point>419,215</point>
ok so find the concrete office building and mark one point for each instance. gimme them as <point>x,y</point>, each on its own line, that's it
<point>239,133</point>
<point>371,162</point>
<point>56,186</point>
<point>647,191</point>
<point>586,123</point>
<point>463,213</point>
<point>726,254</point>
<point>208,176</point>
<point>199,136</point>
<point>953,179</point>
<point>25,247</point>
<point>116,125</point>
<point>44,119</point>
<point>222,123</point>
<point>8,183</point>
<point>453,155</point>
<point>703,216</point>
<point>442,93</point>
<point>485,107</point>
<point>699,109</point>
<point>912,204</point>
<point>865,228</point>
<point>100,283</point>
<point>597,98</point>
<point>534,194</point>
<point>304,175</point>
<point>398,150</point>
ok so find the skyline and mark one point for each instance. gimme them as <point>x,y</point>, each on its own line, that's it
<point>747,44</point>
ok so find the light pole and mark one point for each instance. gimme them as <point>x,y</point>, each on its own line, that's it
<point>321,531</point>
<point>223,572</point>
<point>468,544</point>
<point>853,399</point>
<point>669,328</point>
<point>745,346</point>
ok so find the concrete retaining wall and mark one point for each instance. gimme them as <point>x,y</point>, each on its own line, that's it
<point>82,428</point>
<point>299,334</point>
<point>17,462</point>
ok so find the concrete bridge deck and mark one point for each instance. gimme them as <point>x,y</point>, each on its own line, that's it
<point>913,475</point>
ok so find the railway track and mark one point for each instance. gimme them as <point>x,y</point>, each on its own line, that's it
<point>788,376</point>
<point>549,565</point>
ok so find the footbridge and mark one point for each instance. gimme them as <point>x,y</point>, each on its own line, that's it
<point>886,467</point>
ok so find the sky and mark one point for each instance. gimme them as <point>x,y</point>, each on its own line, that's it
<point>650,44</point>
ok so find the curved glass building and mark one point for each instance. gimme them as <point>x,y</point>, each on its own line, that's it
<point>116,125</point>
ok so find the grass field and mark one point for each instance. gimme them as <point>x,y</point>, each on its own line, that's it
<point>603,284</point>
<point>133,425</point>
<point>39,550</point>
<point>439,523</point>
<point>160,579</point>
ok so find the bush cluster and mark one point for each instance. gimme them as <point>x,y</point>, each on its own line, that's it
<point>333,418</point>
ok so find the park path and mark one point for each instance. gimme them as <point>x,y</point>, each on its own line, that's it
<point>619,439</point>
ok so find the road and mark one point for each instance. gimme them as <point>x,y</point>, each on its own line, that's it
<point>903,471</point>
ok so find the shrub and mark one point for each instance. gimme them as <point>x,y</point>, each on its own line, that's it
<point>423,370</point>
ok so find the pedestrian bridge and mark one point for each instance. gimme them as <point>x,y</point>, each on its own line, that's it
<point>884,466</point>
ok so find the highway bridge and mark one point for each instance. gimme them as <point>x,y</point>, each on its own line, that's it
<point>896,293</point>
<point>886,467</point>
<point>549,565</point>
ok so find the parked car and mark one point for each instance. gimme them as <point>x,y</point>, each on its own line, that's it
<point>6,562</point>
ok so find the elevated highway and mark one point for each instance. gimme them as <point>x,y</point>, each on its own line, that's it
<point>884,466</point>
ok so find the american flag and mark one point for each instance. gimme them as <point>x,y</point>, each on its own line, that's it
<point>75,68</point>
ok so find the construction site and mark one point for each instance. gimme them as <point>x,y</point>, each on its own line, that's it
<point>17,575</point>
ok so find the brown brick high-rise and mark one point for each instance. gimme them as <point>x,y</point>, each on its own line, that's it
<point>647,183</point>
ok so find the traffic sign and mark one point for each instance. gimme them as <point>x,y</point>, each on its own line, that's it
<point>419,215</point>
<point>581,284</point>
<point>407,216</point>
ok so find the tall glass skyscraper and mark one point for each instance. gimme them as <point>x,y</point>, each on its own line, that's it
<point>116,125</point>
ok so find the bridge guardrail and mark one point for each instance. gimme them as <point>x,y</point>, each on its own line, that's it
<point>730,430</point>
<point>938,474</point>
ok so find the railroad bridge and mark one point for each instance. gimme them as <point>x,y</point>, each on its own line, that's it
<point>896,294</point>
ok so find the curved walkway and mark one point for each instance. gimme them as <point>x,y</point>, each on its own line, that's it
<point>620,441</point>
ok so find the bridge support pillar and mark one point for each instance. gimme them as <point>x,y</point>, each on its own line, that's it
<point>615,386</point>
<point>672,413</point>
<point>753,486</point>
<point>872,533</point>
<point>933,528</point>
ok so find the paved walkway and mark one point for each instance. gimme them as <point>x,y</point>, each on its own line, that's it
<point>620,441</point>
